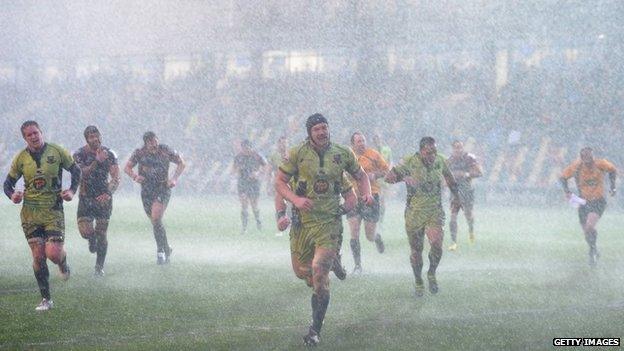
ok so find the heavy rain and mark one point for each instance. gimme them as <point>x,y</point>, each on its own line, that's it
<point>526,227</point>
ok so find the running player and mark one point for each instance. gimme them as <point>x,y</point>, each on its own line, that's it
<point>248,164</point>
<point>153,160</point>
<point>588,174</point>
<point>96,193</point>
<point>318,166</point>
<point>464,167</point>
<point>375,167</point>
<point>43,220</point>
<point>423,173</point>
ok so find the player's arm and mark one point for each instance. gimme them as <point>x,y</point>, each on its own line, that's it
<point>381,168</point>
<point>363,185</point>
<point>129,169</point>
<point>9,189</point>
<point>280,213</point>
<point>180,166</point>
<point>400,173</point>
<point>115,179</point>
<point>15,173</point>
<point>75,172</point>
<point>450,180</point>
<point>350,200</point>
<point>606,166</point>
<point>282,188</point>
<point>567,173</point>
<point>475,170</point>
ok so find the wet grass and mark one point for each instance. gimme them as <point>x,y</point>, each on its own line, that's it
<point>525,281</point>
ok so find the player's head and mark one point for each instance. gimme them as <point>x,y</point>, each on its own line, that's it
<point>458,147</point>
<point>150,140</point>
<point>93,137</point>
<point>246,145</point>
<point>428,150</point>
<point>587,155</point>
<point>32,134</point>
<point>358,142</point>
<point>318,129</point>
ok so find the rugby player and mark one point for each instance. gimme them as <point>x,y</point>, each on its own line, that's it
<point>153,161</point>
<point>95,200</point>
<point>375,167</point>
<point>588,174</point>
<point>423,173</point>
<point>43,220</point>
<point>464,167</point>
<point>248,164</point>
<point>318,165</point>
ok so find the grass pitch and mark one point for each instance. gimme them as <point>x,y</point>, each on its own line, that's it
<point>524,282</point>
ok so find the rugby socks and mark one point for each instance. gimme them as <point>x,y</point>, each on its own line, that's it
<point>160,235</point>
<point>244,218</point>
<point>470,224</point>
<point>102,248</point>
<point>256,213</point>
<point>435,255</point>
<point>42,275</point>
<point>319,308</point>
<point>453,227</point>
<point>590,237</point>
<point>356,249</point>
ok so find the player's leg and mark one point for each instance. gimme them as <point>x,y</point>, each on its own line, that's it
<point>54,235</point>
<point>303,270</point>
<point>371,216</point>
<point>40,268</point>
<point>455,206</point>
<point>435,235</point>
<point>301,253</point>
<point>416,240</point>
<point>254,194</point>
<point>85,222</point>
<point>591,236</point>
<point>355,220</point>
<point>321,264</point>
<point>157,213</point>
<point>55,252</point>
<point>468,205</point>
<point>101,228</point>
<point>244,200</point>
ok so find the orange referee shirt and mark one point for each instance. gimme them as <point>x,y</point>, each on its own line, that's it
<point>589,180</point>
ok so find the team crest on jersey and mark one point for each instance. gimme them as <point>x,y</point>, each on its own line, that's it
<point>39,183</point>
<point>321,186</point>
<point>338,159</point>
<point>51,159</point>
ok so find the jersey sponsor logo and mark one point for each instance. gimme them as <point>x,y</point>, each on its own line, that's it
<point>321,186</point>
<point>39,183</point>
<point>50,159</point>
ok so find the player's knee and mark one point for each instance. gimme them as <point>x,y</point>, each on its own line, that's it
<point>101,226</point>
<point>85,227</point>
<point>322,266</point>
<point>436,243</point>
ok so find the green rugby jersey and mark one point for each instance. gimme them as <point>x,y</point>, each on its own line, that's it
<point>320,178</point>
<point>427,194</point>
<point>42,175</point>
